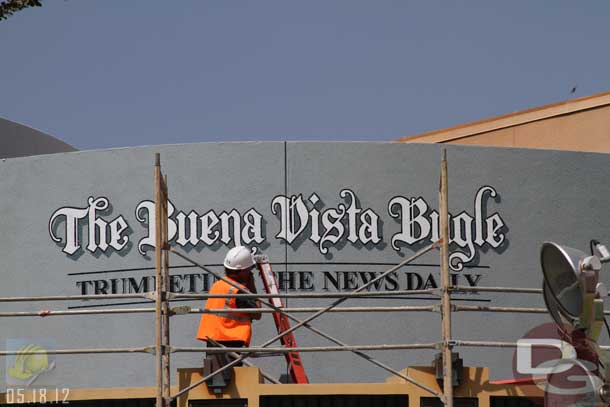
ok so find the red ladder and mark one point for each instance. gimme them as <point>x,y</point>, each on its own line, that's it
<point>293,359</point>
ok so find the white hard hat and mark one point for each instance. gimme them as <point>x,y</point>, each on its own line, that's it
<point>238,258</point>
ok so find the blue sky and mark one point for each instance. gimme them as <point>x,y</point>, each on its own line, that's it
<point>111,73</point>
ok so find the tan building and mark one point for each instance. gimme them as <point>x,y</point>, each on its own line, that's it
<point>581,124</point>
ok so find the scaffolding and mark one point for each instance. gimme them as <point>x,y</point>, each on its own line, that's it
<point>162,298</point>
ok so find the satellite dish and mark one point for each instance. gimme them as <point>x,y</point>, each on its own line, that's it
<point>561,268</point>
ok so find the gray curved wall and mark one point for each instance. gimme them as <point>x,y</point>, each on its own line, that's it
<point>539,195</point>
<point>17,140</point>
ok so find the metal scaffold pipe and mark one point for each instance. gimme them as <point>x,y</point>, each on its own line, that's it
<point>347,348</point>
<point>445,285</point>
<point>371,294</point>
<point>174,296</point>
<point>158,284</point>
<point>74,297</point>
<point>148,349</point>
<point>484,308</point>
<point>406,308</point>
<point>53,313</point>
<point>490,344</point>
<point>151,349</point>
<point>165,341</point>
<point>461,288</point>
<point>48,313</point>
<point>310,348</point>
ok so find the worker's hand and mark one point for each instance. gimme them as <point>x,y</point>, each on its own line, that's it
<point>257,315</point>
<point>250,283</point>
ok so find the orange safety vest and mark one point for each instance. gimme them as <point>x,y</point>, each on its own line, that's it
<point>228,326</point>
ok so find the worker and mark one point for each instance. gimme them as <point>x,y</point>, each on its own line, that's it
<point>231,329</point>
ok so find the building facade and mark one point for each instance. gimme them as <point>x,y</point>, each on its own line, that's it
<point>330,216</point>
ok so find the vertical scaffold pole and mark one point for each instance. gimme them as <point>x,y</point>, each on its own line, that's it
<point>445,299</point>
<point>165,290</point>
<point>158,283</point>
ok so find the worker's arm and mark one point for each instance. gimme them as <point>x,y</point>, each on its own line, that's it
<point>257,315</point>
<point>250,302</point>
<point>257,303</point>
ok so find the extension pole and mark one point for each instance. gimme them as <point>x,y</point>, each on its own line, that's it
<point>165,285</point>
<point>158,284</point>
<point>445,293</point>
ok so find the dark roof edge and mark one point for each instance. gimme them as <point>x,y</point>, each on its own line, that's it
<point>18,140</point>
